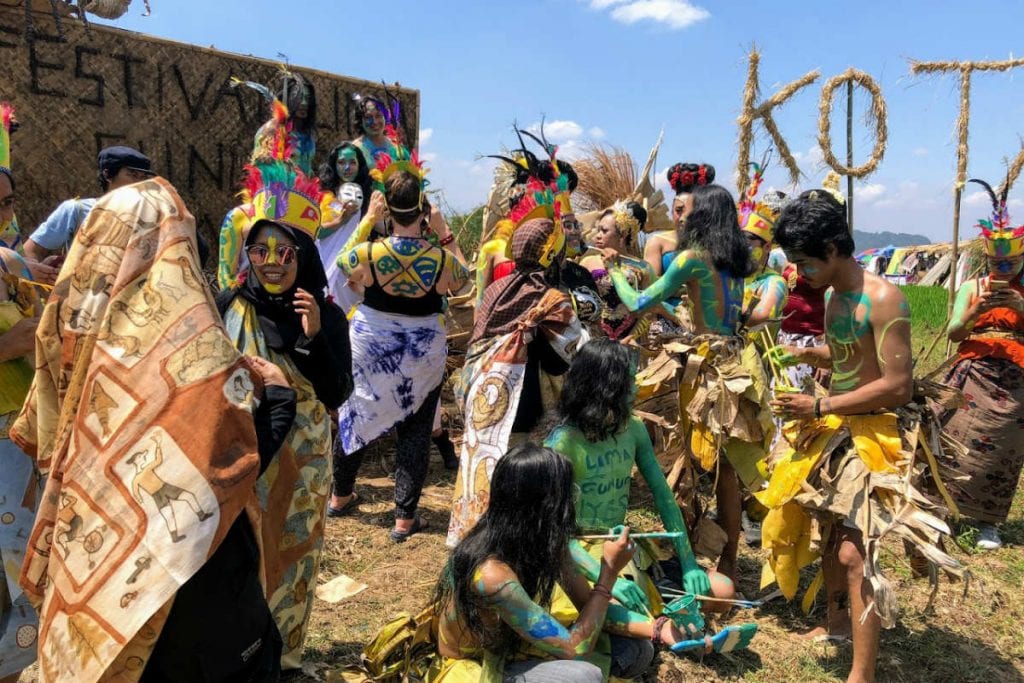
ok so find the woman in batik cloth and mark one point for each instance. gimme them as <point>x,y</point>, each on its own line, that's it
<point>988,325</point>
<point>617,229</point>
<point>345,180</point>
<point>280,313</point>
<point>398,336</point>
<point>141,420</point>
<point>710,269</point>
<point>522,341</point>
<point>19,487</point>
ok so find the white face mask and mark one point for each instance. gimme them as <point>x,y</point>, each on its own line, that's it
<point>351,192</point>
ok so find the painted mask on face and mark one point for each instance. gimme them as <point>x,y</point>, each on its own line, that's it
<point>347,165</point>
<point>274,259</point>
<point>351,192</point>
<point>1006,269</point>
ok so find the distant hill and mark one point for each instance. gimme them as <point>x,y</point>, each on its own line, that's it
<point>872,240</point>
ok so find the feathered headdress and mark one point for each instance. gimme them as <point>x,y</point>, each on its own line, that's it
<point>1001,240</point>
<point>758,217</point>
<point>273,141</point>
<point>275,188</point>
<point>539,202</point>
<point>559,181</point>
<point>9,125</point>
<point>405,160</point>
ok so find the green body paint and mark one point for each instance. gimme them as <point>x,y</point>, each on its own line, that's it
<point>533,623</point>
<point>718,305</point>
<point>602,472</point>
<point>766,286</point>
<point>847,321</point>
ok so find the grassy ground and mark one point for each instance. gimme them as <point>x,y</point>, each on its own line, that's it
<point>977,638</point>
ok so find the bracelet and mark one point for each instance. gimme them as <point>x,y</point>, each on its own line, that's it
<point>447,239</point>
<point>817,407</point>
<point>659,623</point>
<point>602,591</point>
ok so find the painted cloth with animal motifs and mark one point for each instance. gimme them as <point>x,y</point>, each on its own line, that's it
<point>140,415</point>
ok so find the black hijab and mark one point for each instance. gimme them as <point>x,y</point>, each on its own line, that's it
<point>280,324</point>
<point>326,360</point>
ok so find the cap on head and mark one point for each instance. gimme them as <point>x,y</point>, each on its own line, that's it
<point>113,159</point>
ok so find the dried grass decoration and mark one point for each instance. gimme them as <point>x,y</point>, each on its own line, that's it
<point>877,114</point>
<point>607,174</point>
<point>763,111</point>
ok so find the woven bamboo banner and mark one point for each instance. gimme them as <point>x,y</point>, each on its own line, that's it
<point>76,95</point>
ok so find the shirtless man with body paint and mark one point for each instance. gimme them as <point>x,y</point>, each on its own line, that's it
<point>867,330</point>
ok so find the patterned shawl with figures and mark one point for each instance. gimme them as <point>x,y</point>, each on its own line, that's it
<point>493,382</point>
<point>140,415</point>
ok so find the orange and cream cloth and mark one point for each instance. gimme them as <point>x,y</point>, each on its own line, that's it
<point>140,417</point>
<point>19,488</point>
<point>864,472</point>
<point>293,490</point>
<point>493,376</point>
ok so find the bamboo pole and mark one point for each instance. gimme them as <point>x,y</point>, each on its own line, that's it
<point>849,154</point>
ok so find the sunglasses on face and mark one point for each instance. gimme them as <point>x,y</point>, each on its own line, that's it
<point>284,254</point>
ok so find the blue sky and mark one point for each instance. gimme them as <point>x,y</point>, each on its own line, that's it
<point>616,71</point>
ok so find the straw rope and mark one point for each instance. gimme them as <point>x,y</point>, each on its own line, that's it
<point>763,111</point>
<point>877,114</point>
<point>1013,171</point>
<point>964,119</point>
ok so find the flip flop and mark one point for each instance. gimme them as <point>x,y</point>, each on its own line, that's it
<point>346,508</point>
<point>403,536</point>
<point>728,639</point>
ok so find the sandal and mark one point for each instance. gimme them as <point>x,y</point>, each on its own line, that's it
<point>402,536</point>
<point>344,509</point>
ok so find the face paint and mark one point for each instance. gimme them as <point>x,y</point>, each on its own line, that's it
<point>347,165</point>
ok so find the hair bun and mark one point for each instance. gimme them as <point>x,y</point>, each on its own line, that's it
<point>639,213</point>
<point>683,177</point>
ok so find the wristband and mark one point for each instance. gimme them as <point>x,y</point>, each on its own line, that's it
<point>817,407</point>
<point>659,623</point>
<point>447,239</point>
<point>602,591</point>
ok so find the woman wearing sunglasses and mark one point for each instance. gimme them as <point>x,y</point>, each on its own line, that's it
<point>280,313</point>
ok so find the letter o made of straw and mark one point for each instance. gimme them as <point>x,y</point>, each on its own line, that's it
<point>878,113</point>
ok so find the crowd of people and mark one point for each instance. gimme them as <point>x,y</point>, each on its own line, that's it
<point>172,454</point>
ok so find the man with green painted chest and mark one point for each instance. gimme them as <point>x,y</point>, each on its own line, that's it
<point>867,329</point>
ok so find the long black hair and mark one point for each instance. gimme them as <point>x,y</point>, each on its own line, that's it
<point>291,94</point>
<point>330,180</point>
<point>529,521</point>
<point>713,227</point>
<point>597,394</point>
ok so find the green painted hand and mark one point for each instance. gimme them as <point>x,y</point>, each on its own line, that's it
<point>695,580</point>
<point>782,356</point>
<point>631,596</point>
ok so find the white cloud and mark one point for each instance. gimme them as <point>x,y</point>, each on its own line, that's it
<point>428,156</point>
<point>920,152</point>
<point>558,131</point>
<point>596,132</point>
<point>425,135</point>
<point>868,192</point>
<point>675,14</point>
<point>813,156</point>
<point>979,198</point>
